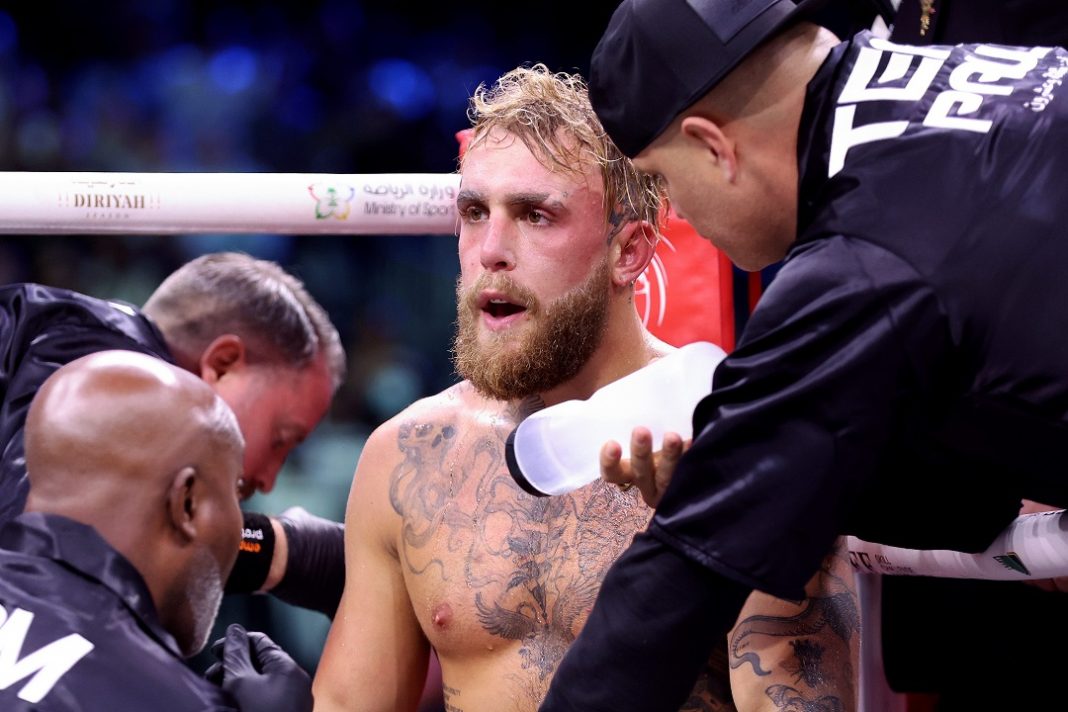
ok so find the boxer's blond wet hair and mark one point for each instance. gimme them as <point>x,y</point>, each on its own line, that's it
<point>551,113</point>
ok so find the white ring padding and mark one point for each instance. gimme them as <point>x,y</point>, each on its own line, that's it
<point>1034,546</point>
<point>272,203</point>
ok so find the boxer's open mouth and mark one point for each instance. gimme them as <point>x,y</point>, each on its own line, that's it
<point>502,308</point>
<point>499,310</point>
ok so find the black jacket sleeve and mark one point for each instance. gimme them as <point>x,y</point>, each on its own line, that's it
<point>315,566</point>
<point>653,627</point>
<point>41,329</point>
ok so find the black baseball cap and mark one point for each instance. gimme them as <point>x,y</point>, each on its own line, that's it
<point>658,57</point>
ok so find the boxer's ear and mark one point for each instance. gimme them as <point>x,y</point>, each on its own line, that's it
<point>633,250</point>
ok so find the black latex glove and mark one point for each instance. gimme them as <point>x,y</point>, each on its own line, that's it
<point>259,675</point>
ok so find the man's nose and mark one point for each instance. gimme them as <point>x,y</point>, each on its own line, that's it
<point>497,251</point>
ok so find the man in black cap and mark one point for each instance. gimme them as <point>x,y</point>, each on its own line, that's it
<point>894,382</point>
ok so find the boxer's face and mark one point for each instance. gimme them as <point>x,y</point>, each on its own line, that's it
<point>534,275</point>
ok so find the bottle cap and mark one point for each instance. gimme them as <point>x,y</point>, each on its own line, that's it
<point>515,470</point>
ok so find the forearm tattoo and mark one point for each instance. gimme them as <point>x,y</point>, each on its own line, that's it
<point>790,700</point>
<point>823,635</point>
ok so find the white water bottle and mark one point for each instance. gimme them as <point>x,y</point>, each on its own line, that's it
<point>557,449</point>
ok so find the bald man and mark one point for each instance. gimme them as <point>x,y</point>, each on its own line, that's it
<point>115,571</point>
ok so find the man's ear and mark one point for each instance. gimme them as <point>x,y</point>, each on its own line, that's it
<point>182,502</point>
<point>633,250</point>
<point>717,145</point>
<point>222,355</point>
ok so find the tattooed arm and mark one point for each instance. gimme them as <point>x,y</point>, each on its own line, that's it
<point>787,656</point>
<point>1054,584</point>
<point>375,657</point>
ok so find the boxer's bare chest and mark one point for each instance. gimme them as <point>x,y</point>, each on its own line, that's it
<point>493,572</point>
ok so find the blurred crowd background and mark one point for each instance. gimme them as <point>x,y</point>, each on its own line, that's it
<point>317,86</point>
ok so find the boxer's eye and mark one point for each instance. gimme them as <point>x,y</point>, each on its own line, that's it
<point>472,213</point>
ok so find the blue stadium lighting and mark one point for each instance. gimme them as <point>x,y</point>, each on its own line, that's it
<point>404,86</point>
<point>233,69</point>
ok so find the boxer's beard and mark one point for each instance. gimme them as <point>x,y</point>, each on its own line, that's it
<point>204,594</point>
<point>549,350</point>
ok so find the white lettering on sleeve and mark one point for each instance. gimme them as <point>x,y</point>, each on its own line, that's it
<point>46,665</point>
<point>845,136</point>
<point>987,71</point>
<point>1016,65</point>
<point>859,85</point>
<point>939,114</point>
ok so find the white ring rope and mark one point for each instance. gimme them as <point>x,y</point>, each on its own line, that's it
<point>275,203</point>
<point>1034,546</point>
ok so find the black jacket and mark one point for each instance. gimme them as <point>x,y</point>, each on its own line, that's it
<point>41,329</point>
<point>79,631</point>
<point>903,379</point>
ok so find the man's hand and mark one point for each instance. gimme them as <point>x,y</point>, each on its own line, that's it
<point>258,674</point>
<point>650,471</point>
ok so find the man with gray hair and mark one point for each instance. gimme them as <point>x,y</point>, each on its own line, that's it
<point>245,326</point>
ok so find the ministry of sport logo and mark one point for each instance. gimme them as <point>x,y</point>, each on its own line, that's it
<point>332,201</point>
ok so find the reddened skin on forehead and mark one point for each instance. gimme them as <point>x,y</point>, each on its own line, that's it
<point>504,162</point>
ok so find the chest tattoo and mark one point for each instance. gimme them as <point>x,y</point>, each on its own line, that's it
<point>530,567</point>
